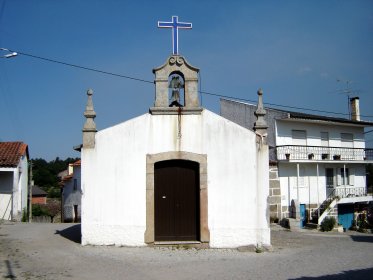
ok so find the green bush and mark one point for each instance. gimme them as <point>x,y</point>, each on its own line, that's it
<point>39,210</point>
<point>24,215</point>
<point>328,224</point>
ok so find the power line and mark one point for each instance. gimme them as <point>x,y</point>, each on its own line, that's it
<point>86,68</point>
<point>152,82</point>
<point>277,105</point>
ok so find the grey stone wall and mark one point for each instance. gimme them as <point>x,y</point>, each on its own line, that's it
<point>243,114</point>
<point>274,199</point>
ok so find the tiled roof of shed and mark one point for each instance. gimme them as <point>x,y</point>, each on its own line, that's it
<point>36,191</point>
<point>77,163</point>
<point>11,153</point>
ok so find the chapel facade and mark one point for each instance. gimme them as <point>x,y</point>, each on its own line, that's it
<point>179,174</point>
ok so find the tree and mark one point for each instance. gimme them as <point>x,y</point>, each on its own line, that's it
<point>45,174</point>
<point>53,207</point>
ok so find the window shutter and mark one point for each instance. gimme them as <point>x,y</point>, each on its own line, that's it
<point>299,137</point>
<point>324,139</point>
<point>347,140</point>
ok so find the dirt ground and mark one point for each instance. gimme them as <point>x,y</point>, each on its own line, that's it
<point>52,251</point>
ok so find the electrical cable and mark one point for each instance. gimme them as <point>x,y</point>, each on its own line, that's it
<point>152,82</point>
<point>86,68</point>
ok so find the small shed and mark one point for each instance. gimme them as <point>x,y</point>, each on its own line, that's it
<point>39,196</point>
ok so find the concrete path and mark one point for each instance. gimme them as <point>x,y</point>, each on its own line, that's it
<point>52,251</point>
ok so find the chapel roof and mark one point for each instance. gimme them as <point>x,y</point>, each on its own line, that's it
<point>11,153</point>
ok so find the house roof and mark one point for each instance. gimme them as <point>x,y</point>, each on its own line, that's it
<point>36,191</point>
<point>304,116</point>
<point>291,115</point>
<point>11,153</point>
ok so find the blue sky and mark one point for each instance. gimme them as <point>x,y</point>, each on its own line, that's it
<point>294,50</point>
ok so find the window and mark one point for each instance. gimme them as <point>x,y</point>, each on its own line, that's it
<point>324,139</point>
<point>345,177</point>
<point>299,137</point>
<point>75,185</point>
<point>347,140</point>
<point>329,172</point>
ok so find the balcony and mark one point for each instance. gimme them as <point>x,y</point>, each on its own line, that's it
<point>343,192</point>
<point>320,153</point>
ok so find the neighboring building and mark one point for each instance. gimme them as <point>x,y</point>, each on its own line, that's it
<point>38,195</point>
<point>13,180</point>
<point>317,163</point>
<point>175,175</point>
<point>71,194</point>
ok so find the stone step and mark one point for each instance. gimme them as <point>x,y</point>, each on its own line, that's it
<point>294,224</point>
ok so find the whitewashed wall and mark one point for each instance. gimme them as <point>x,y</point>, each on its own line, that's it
<point>23,184</point>
<point>312,189</point>
<point>313,130</point>
<point>14,189</point>
<point>114,178</point>
<point>6,190</point>
<point>72,197</point>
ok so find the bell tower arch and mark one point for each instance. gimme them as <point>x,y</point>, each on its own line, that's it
<point>176,64</point>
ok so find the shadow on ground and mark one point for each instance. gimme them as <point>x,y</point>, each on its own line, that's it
<point>10,274</point>
<point>362,238</point>
<point>351,274</point>
<point>73,233</point>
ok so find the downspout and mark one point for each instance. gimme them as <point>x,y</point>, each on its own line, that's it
<point>289,201</point>
<point>318,198</point>
<point>344,178</point>
<point>14,191</point>
<point>298,183</point>
<point>309,199</point>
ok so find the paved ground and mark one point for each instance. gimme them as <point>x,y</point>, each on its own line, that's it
<point>52,251</point>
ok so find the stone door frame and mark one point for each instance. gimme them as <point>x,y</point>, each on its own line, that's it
<point>151,159</point>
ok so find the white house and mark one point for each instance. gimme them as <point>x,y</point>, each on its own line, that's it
<point>13,180</point>
<point>72,193</point>
<point>316,161</point>
<point>178,174</point>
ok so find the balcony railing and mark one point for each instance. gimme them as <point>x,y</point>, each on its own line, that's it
<point>291,152</point>
<point>350,191</point>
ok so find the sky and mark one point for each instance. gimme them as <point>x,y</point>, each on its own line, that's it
<point>294,50</point>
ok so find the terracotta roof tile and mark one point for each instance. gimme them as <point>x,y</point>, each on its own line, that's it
<point>11,153</point>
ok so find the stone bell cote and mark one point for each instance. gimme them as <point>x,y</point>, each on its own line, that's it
<point>176,87</point>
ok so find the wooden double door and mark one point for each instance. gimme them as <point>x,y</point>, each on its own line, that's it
<point>176,201</point>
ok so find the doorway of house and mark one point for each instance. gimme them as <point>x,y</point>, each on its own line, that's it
<point>303,215</point>
<point>75,218</point>
<point>176,201</point>
<point>346,215</point>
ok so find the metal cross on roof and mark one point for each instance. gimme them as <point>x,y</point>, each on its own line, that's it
<point>175,25</point>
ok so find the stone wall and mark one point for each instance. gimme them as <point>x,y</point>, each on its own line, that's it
<point>274,199</point>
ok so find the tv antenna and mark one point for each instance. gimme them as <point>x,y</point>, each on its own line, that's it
<point>348,91</point>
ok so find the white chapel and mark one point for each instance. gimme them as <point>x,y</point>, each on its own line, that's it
<point>179,174</point>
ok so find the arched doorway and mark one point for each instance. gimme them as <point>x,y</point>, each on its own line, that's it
<point>176,200</point>
<point>203,232</point>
